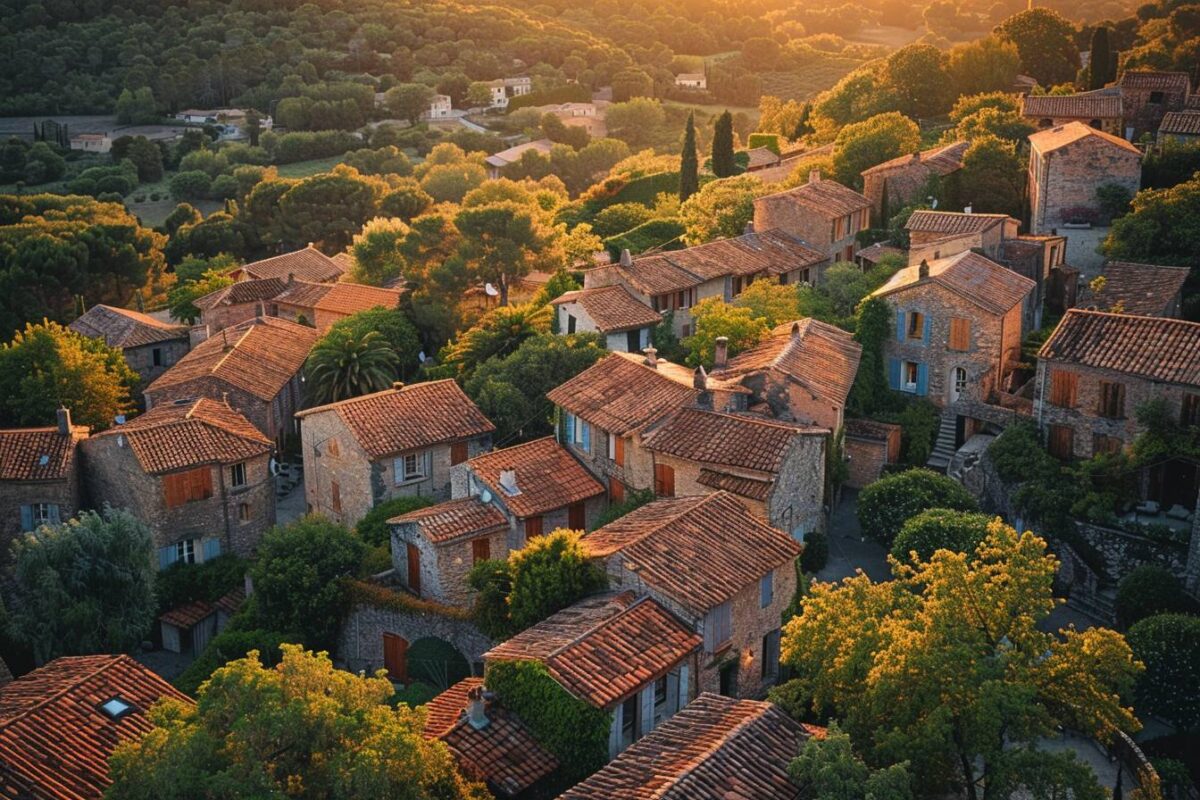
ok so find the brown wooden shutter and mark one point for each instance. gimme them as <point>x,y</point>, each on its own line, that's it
<point>664,480</point>
<point>1062,441</point>
<point>1063,387</point>
<point>395,657</point>
<point>616,490</point>
<point>481,550</point>
<point>619,450</point>
<point>1112,400</point>
<point>336,496</point>
<point>174,490</point>
<point>533,528</point>
<point>960,334</point>
<point>458,453</point>
<point>413,557</point>
<point>1189,413</point>
<point>576,517</point>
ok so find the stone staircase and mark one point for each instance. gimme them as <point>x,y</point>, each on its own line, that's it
<point>943,448</point>
<point>1099,605</point>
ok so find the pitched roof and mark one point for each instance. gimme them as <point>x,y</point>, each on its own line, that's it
<point>877,251</point>
<point>604,649</point>
<point>120,327</point>
<point>248,291</point>
<point>514,153</point>
<point>1140,289</point>
<point>503,754</point>
<point>952,223</point>
<point>761,157</point>
<point>824,198</point>
<point>258,356</point>
<point>622,394</point>
<point>819,356</point>
<point>1149,79</point>
<point>411,417</point>
<point>37,454</point>
<point>612,308</point>
<point>55,739</point>
<point>548,477</point>
<point>1186,123</point>
<point>700,551</point>
<point>175,436</point>
<point>715,748</point>
<point>753,488</point>
<point>1055,138</point>
<point>337,298</point>
<point>940,160</point>
<point>728,440</point>
<point>454,519</point>
<point>1084,105</point>
<point>972,276</point>
<point>187,615</point>
<point>308,264</point>
<point>1155,348</point>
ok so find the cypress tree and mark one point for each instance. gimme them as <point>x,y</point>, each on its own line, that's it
<point>722,146</point>
<point>689,168</point>
<point>1101,66</point>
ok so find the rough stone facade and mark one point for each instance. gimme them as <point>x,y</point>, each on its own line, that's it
<point>151,360</point>
<point>360,641</point>
<point>444,566</point>
<point>224,316</point>
<point>1067,177</point>
<point>616,342</point>
<point>65,494</point>
<point>868,447</point>
<point>1144,107</point>
<point>791,401</point>
<point>273,417</point>
<point>816,230</point>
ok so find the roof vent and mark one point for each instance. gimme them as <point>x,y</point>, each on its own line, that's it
<point>923,270</point>
<point>626,258</point>
<point>651,357</point>
<point>814,176</point>
<point>115,707</point>
<point>397,385</point>
<point>508,481</point>
<point>43,460</point>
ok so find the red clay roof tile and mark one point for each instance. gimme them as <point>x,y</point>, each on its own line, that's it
<point>120,327</point>
<point>612,308</point>
<point>1155,348</point>
<point>38,454</point>
<point>445,522</point>
<point>548,477</point>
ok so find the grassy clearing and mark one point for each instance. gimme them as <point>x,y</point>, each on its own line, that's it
<point>303,169</point>
<point>813,79</point>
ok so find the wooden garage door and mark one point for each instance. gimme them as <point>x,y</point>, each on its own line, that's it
<point>395,657</point>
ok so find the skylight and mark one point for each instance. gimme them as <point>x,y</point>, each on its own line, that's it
<point>43,461</point>
<point>116,708</point>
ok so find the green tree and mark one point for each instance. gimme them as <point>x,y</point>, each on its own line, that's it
<point>301,729</point>
<point>722,146</point>
<point>373,528</point>
<point>870,142</point>
<point>328,208</point>
<point>870,392</point>
<point>136,107</point>
<point>1004,124</point>
<point>377,257</point>
<point>349,363</point>
<point>1046,42</point>
<point>917,76</point>
<point>299,577</point>
<point>829,769</point>
<point>774,303</point>
<point>713,318</point>
<point>182,214</point>
<point>406,200</point>
<point>498,333</point>
<point>946,667</point>
<point>939,529</point>
<point>989,64</point>
<point>502,242</point>
<point>1162,228</point>
<point>181,300</point>
<point>393,326</point>
<point>1102,64</point>
<point>1148,590</point>
<point>47,366</point>
<point>635,121</point>
<point>992,180</point>
<point>885,505</point>
<point>449,183</point>
<point>83,586</point>
<point>1169,646</point>
<point>689,167</point>
<point>408,101</point>
<point>253,127</point>
<point>147,157</point>
<point>720,209</point>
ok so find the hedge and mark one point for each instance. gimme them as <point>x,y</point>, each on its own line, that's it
<point>657,233</point>
<point>372,594</point>
<point>816,552</point>
<point>1169,646</point>
<point>1149,590</point>
<point>767,140</point>
<point>181,583</point>
<point>884,506</point>
<point>940,529</point>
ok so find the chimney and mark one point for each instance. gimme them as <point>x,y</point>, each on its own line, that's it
<point>966,209</point>
<point>923,270</point>
<point>700,384</point>
<point>64,421</point>
<point>626,258</point>
<point>814,176</point>
<point>225,339</point>
<point>397,385</point>
<point>651,357</point>
<point>721,354</point>
<point>476,709</point>
<point>291,278</point>
<point>796,328</point>
<point>916,157</point>
<point>508,481</point>
<point>259,311</point>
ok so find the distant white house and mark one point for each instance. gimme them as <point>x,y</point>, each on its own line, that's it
<point>504,89</point>
<point>91,142</point>
<point>230,117</point>
<point>440,107</point>
<point>691,80</point>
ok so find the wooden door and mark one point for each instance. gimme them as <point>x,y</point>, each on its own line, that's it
<point>395,657</point>
<point>458,453</point>
<point>413,556</point>
<point>664,480</point>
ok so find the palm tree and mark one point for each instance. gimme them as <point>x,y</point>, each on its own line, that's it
<point>344,365</point>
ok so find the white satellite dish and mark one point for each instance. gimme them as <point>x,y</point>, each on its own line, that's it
<point>421,356</point>
<point>486,496</point>
<point>490,290</point>
<point>934,203</point>
<point>274,466</point>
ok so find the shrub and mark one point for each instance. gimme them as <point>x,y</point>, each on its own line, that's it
<point>1148,590</point>
<point>635,499</point>
<point>228,645</point>
<point>191,185</point>
<point>767,140</point>
<point>919,427</point>
<point>114,184</point>
<point>373,528</point>
<point>816,552</point>
<point>657,233</point>
<point>182,583</point>
<point>939,529</point>
<point>884,506</point>
<point>1169,646</point>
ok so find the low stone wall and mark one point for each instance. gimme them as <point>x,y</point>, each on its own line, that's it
<point>1123,551</point>
<point>360,642</point>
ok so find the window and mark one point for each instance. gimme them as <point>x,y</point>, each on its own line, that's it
<point>717,626</point>
<point>1189,413</point>
<point>237,475</point>
<point>1157,97</point>
<point>335,497</point>
<point>1105,445</point>
<point>42,514</point>
<point>1063,388</point>
<point>533,528</point>
<point>409,468</point>
<point>727,685</point>
<point>770,655</point>
<point>576,517</point>
<point>629,721</point>
<point>664,480</point>
<point>186,487</point>
<point>243,512</point>
<point>1062,441</point>
<point>481,550</point>
<point>916,325</point>
<point>1112,400</point>
<point>911,374</point>
<point>156,356</point>
<point>633,341</point>
<point>185,551</point>
<point>116,707</point>
<point>960,334</point>
<point>570,323</point>
<point>458,453</point>
<point>766,589</point>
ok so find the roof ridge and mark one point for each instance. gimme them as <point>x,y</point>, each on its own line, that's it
<point>760,709</point>
<point>111,660</point>
<point>1099,313</point>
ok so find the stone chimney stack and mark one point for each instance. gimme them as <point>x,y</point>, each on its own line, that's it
<point>814,176</point>
<point>651,357</point>
<point>477,709</point>
<point>626,258</point>
<point>291,278</point>
<point>923,270</point>
<point>700,384</point>
<point>64,421</point>
<point>397,385</point>
<point>721,353</point>
<point>796,328</point>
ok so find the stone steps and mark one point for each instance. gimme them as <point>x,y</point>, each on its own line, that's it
<point>943,448</point>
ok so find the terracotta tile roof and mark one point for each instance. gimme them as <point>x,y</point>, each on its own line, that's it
<point>1085,105</point>
<point>249,291</point>
<point>1147,79</point>
<point>612,308</point>
<point>952,223</point>
<point>412,417</point>
<point>970,275</point>
<point>120,327</point>
<point>604,649</point>
<point>37,454</point>
<point>658,274</point>
<point>821,357</point>
<point>700,551</point>
<point>716,748</point>
<point>188,615</point>
<point>1184,123</point>
<point>1155,348</point>
<point>870,429</point>
<point>308,264</point>
<point>55,740</point>
<point>1054,138</point>
<point>176,436</point>
<point>728,440</point>
<point>743,485</point>
<point>337,298</point>
<point>877,251</point>
<point>504,754</point>
<point>259,356</point>
<point>825,198</point>
<point>940,160</point>
<point>514,153</point>
<point>759,157</point>
<point>548,477</point>
<point>622,394</point>
<point>231,601</point>
<point>1141,289</point>
<point>453,519</point>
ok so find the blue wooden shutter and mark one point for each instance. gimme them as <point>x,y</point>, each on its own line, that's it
<point>55,515</point>
<point>922,379</point>
<point>900,325</point>
<point>26,518</point>
<point>212,548</point>
<point>166,556</point>
<point>587,437</point>
<point>894,373</point>
<point>928,329</point>
<point>570,427</point>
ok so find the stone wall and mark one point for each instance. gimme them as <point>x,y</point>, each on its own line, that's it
<point>226,316</point>
<point>360,641</point>
<point>141,359</point>
<point>444,567</point>
<point>272,417</point>
<point>1068,176</point>
<point>866,459</point>
<point>14,494</point>
<point>1123,551</point>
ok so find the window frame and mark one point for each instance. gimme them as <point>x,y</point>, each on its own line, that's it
<point>915,326</point>
<point>1111,400</point>
<point>237,475</point>
<point>185,551</point>
<point>766,589</point>
<point>244,513</point>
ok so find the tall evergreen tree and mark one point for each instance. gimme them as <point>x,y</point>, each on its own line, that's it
<point>722,146</point>
<point>1101,65</point>
<point>689,168</point>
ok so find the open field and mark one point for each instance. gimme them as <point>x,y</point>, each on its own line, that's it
<point>811,80</point>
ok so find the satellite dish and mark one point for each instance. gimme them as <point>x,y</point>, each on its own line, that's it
<point>421,356</point>
<point>490,290</point>
<point>119,419</point>
<point>486,496</point>
<point>274,467</point>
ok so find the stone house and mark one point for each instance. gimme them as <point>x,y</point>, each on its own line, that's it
<point>538,486</point>
<point>255,367</point>
<point>1148,96</point>
<point>496,162</point>
<point>400,442</point>
<point>623,322</point>
<point>691,80</point>
<point>624,653</point>
<point>907,177</point>
<point>1182,127</point>
<point>957,329</point>
<point>717,567</point>
<point>197,472</point>
<point>822,213</point>
<point>1100,109</point>
<point>1142,290</point>
<point>306,264</point>
<point>869,447</point>
<point>802,372</point>
<point>322,304</point>
<point>1098,368</point>
<point>60,723</point>
<point>235,304</point>
<point>746,744</point>
<point>440,107</point>
<point>606,411</point>
<point>150,345</point>
<point>39,478</point>
<point>776,468</point>
<point>504,89</point>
